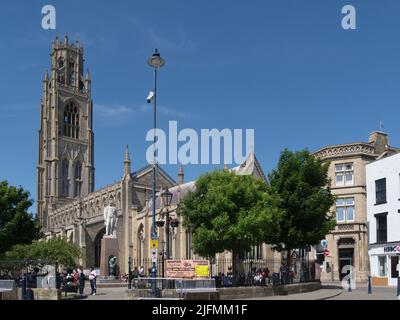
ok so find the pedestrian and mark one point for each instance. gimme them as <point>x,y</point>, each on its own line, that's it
<point>282,271</point>
<point>135,273</point>
<point>75,275</point>
<point>81,280</point>
<point>92,279</point>
<point>141,272</point>
<point>267,279</point>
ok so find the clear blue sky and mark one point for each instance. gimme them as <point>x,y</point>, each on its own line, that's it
<point>285,68</point>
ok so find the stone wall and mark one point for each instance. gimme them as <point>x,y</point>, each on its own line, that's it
<point>46,294</point>
<point>237,292</point>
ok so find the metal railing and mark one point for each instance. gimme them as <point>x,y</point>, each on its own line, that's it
<point>248,272</point>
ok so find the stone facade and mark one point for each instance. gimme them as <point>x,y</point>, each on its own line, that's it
<point>68,206</point>
<point>348,243</point>
<point>65,152</point>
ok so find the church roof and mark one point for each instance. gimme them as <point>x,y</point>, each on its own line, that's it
<point>148,168</point>
<point>248,167</point>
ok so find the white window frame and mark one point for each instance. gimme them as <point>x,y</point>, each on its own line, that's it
<point>345,206</point>
<point>343,171</point>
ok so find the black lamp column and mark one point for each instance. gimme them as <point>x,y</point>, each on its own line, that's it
<point>155,61</point>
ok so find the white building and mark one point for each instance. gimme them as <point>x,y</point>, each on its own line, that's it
<point>383,210</point>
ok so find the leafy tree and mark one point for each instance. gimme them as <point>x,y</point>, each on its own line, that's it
<point>54,250</point>
<point>226,212</point>
<point>301,186</point>
<point>17,226</point>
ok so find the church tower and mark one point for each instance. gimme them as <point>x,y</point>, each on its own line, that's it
<point>66,141</point>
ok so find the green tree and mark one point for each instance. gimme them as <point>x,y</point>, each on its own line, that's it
<point>226,212</point>
<point>17,226</point>
<point>300,186</point>
<point>54,250</point>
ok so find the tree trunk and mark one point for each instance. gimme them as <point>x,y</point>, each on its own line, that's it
<point>210,271</point>
<point>288,258</point>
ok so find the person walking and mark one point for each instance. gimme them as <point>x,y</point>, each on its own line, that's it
<point>92,279</point>
<point>81,280</point>
<point>75,275</point>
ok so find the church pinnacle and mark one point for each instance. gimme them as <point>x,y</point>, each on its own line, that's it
<point>127,162</point>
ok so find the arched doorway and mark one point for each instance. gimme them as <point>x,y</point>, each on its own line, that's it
<point>97,247</point>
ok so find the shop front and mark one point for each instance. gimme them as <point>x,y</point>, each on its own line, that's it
<point>385,264</point>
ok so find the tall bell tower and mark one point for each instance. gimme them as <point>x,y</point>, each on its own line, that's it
<point>66,141</point>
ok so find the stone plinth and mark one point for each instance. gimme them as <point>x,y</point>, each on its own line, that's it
<point>46,294</point>
<point>109,247</point>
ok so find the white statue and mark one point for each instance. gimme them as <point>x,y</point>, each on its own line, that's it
<point>110,219</point>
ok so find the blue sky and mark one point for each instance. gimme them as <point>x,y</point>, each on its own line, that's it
<point>285,68</point>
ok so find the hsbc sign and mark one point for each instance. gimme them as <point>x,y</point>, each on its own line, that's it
<point>395,249</point>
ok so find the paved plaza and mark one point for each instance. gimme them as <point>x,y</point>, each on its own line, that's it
<point>334,292</point>
<point>327,292</point>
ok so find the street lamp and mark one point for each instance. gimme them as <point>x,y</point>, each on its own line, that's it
<point>167,198</point>
<point>155,61</point>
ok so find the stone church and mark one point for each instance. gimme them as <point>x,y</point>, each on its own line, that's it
<point>68,204</point>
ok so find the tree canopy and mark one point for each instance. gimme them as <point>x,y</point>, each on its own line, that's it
<point>300,185</point>
<point>226,212</point>
<point>17,226</point>
<point>54,250</point>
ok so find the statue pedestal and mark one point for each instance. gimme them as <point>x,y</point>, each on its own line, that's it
<point>109,247</point>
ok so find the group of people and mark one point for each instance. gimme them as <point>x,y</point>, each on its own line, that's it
<point>261,277</point>
<point>258,277</point>
<point>74,280</point>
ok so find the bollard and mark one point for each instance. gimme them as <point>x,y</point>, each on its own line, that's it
<point>349,285</point>
<point>398,288</point>
<point>369,285</point>
<point>153,281</point>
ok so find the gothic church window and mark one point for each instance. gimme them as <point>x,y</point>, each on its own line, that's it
<point>78,179</point>
<point>72,74</point>
<point>60,71</point>
<point>189,252</point>
<point>64,178</point>
<point>71,121</point>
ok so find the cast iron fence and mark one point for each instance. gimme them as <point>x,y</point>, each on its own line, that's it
<point>248,272</point>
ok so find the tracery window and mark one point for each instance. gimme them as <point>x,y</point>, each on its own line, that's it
<point>78,179</point>
<point>71,121</point>
<point>64,178</point>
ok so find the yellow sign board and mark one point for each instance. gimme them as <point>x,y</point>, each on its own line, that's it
<point>202,271</point>
<point>153,244</point>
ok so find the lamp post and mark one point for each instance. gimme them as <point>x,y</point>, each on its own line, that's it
<point>167,199</point>
<point>155,61</point>
<point>163,258</point>
<point>129,273</point>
